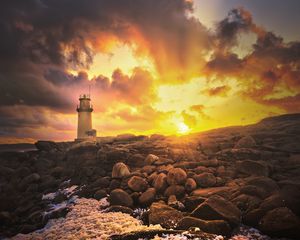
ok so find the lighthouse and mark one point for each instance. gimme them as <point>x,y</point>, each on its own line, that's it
<point>84,128</point>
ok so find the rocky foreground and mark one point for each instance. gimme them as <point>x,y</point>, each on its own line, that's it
<point>217,181</point>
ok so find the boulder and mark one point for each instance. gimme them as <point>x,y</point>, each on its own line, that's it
<point>137,184</point>
<point>245,142</point>
<point>160,182</point>
<point>162,214</point>
<point>217,208</point>
<point>213,226</point>
<point>176,190</point>
<point>191,202</point>
<point>280,222</point>
<point>205,180</point>
<point>250,167</point>
<point>100,194</point>
<point>120,197</point>
<point>176,176</point>
<point>246,202</point>
<point>151,159</point>
<point>207,192</point>
<point>102,182</point>
<point>148,197</point>
<point>120,170</point>
<point>190,185</point>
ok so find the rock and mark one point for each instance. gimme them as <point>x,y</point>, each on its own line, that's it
<point>205,180</point>
<point>191,202</point>
<point>214,226</point>
<point>100,194</point>
<point>148,169</point>
<point>6,172</point>
<point>115,183</point>
<point>176,176</point>
<point>120,170</point>
<point>174,203</point>
<point>83,153</point>
<point>250,167</point>
<point>46,146</point>
<point>207,192</point>
<point>280,222</point>
<point>102,182</point>
<point>57,172</point>
<point>163,161</point>
<point>245,142</point>
<point>164,215</point>
<point>32,178</point>
<point>160,182</point>
<point>148,197</point>
<point>120,197</point>
<point>151,159</point>
<point>266,185</point>
<point>118,208</point>
<point>290,192</point>
<point>5,218</point>
<point>176,190</point>
<point>137,184</point>
<point>217,208</point>
<point>190,185</point>
<point>246,202</point>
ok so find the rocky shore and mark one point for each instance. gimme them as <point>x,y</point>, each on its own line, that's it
<point>216,181</point>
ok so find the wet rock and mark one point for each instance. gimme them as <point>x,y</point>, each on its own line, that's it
<point>213,226</point>
<point>280,222</point>
<point>217,208</point>
<point>120,197</point>
<point>245,142</point>
<point>176,190</point>
<point>176,176</point>
<point>120,170</point>
<point>190,185</point>
<point>137,184</point>
<point>205,180</point>
<point>160,182</point>
<point>164,215</point>
<point>148,197</point>
<point>250,167</point>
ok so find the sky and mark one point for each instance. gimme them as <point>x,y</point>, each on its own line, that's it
<point>154,66</point>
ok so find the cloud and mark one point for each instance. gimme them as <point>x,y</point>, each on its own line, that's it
<point>217,91</point>
<point>47,47</point>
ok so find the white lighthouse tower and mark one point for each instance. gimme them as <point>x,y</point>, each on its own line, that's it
<point>85,109</point>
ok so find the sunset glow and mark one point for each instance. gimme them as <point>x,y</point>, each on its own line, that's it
<point>169,67</point>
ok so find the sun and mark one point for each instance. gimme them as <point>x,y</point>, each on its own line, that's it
<point>182,128</point>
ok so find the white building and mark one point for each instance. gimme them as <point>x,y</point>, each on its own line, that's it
<point>85,109</point>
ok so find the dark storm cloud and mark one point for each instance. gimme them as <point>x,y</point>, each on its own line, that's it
<point>268,72</point>
<point>46,37</point>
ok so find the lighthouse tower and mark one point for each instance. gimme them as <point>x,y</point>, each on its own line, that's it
<point>85,109</point>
